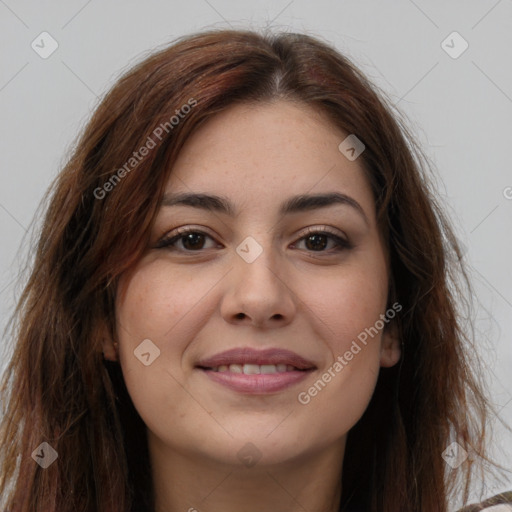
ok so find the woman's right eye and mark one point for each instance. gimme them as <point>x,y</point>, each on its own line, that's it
<point>186,240</point>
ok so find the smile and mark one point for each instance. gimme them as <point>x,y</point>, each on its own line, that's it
<point>255,369</point>
<point>253,379</point>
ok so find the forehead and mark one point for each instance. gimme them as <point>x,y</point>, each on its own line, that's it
<point>258,152</point>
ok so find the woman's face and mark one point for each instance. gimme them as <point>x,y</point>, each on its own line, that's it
<point>267,266</point>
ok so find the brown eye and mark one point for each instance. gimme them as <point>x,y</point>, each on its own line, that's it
<point>193,241</point>
<point>187,240</point>
<point>316,242</point>
<point>323,241</point>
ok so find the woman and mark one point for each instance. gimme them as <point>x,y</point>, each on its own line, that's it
<point>243,297</point>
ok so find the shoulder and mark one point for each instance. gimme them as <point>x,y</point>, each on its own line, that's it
<point>499,503</point>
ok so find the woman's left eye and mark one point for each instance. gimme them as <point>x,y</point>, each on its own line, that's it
<point>322,241</point>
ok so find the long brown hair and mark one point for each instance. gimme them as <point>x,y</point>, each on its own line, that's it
<point>59,389</point>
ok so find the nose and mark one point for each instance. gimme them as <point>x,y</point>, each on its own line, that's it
<point>258,293</point>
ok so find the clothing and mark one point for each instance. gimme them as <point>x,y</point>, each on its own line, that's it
<point>492,504</point>
<point>500,503</point>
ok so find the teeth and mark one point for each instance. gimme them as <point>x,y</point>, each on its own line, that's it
<point>251,369</point>
<point>254,369</point>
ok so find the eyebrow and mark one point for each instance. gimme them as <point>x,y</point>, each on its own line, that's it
<point>295,204</point>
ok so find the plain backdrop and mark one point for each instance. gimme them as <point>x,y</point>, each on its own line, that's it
<point>458,102</point>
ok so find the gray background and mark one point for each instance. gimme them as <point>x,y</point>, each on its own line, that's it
<point>460,109</point>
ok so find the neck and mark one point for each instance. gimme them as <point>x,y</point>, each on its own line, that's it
<point>190,482</point>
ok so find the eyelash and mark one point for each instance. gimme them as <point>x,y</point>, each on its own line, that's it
<point>168,241</point>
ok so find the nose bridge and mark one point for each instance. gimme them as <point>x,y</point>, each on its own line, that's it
<point>258,291</point>
<point>257,267</point>
<point>260,271</point>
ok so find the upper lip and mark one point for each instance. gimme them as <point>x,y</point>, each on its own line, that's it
<point>247,355</point>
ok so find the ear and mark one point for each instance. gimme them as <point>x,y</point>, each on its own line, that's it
<point>109,350</point>
<point>390,351</point>
<point>108,345</point>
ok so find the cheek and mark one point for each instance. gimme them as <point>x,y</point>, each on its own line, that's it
<point>347,308</point>
<point>347,311</point>
<point>337,399</point>
<point>154,301</point>
<point>348,305</point>
<point>155,304</point>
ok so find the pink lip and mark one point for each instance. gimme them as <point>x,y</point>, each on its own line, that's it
<point>247,355</point>
<point>257,384</point>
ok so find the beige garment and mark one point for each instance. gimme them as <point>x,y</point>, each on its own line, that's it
<point>500,503</point>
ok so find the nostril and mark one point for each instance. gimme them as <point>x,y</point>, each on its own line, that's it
<point>240,316</point>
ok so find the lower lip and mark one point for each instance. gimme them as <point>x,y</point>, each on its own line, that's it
<point>257,383</point>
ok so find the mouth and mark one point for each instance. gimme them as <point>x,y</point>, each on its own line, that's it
<point>254,369</point>
<point>254,372</point>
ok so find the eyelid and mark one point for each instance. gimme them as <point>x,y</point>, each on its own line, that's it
<point>341,240</point>
<point>176,233</point>
<point>180,230</point>
<point>324,229</point>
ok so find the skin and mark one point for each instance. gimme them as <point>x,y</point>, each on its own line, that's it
<point>195,304</point>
